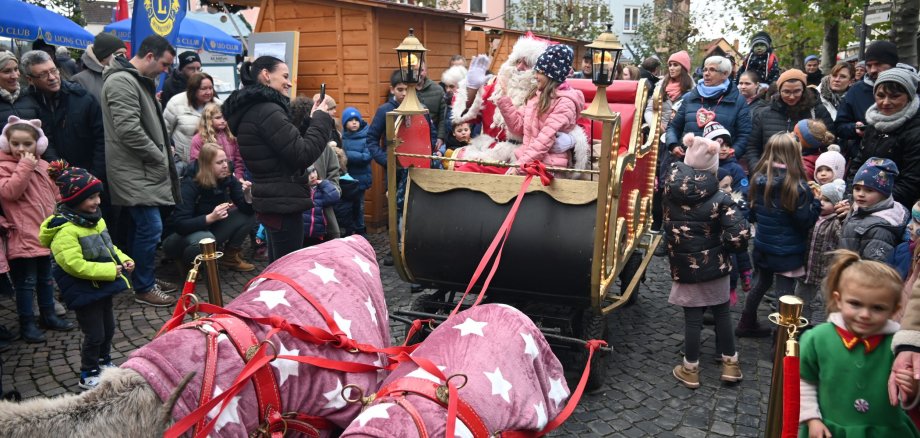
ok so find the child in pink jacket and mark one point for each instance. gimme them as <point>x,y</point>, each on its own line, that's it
<point>28,196</point>
<point>553,107</point>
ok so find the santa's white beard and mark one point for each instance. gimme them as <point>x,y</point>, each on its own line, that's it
<point>519,86</point>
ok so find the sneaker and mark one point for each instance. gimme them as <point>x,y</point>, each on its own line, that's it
<point>106,363</point>
<point>154,297</point>
<point>747,279</point>
<point>59,308</point>
<point>89,379</point>
<point>731,371</point>
<point>689,377</point>
<point>165,286</point>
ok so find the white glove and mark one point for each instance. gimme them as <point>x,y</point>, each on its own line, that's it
<point>476,77</point>
<point>564,142</point>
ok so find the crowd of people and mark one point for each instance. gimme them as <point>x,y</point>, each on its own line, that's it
<point>820,173</point>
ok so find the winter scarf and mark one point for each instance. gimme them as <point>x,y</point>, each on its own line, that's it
<point>829,95</point>
<point>887,124</point>
<point>673,90</point>
<point>79,218</point>
<point>9,97</point>
<point>707,91</point>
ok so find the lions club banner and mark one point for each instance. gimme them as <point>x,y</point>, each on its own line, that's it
<point>161,17</point>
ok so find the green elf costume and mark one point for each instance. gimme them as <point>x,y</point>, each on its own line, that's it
<point>844,383</point>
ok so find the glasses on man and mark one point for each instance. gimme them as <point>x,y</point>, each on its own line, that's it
<point>47,74</point>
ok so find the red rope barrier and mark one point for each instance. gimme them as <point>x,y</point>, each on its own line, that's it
<point>790,397</point>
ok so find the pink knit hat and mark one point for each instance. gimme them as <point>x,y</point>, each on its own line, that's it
<point>702,154</point>
<point>834,160</point>
<point>681,58</point>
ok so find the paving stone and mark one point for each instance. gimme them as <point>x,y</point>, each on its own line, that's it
<point>722,428</point>
<point>689,432</point>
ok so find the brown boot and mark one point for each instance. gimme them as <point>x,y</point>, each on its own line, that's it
<point>233,260</point>
<point>688,374</point>
<point>731,370</point>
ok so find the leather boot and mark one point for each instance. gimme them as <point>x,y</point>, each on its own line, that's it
<point>7,335</point>
<point>29,331</point>
<point>50,321</point>
<point>233,260</point>
<point>748,327</point>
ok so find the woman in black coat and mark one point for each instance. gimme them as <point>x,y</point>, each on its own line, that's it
<point>793,102</point>
<point>214,205</point>
<point>14,101</point>
<point>274,151</point>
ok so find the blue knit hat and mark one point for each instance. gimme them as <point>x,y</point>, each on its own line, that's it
<point>556,62</point>
<point>877,174</point>
<point>351,113</point>
<point>811,58</point>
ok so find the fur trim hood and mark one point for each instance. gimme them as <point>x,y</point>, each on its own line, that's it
<point>241,100</point>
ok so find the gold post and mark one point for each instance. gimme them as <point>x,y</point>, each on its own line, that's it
<point>209,256</point>
<point>788,319</point>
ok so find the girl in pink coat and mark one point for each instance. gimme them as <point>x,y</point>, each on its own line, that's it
<point>553,107</point>
<point>28,196</point>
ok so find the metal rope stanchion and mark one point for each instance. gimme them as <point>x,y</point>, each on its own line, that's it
<point>789,321</point>
<point>209,256</point>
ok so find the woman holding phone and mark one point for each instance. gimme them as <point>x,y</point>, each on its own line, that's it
<point>214,204</point>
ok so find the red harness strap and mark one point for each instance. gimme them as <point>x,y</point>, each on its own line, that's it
<point>210,374</point>
<point>429,390</point>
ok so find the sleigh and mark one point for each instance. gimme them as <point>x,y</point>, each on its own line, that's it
<point>570,241</point>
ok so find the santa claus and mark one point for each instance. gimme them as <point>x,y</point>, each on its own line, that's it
<point>478,105</point>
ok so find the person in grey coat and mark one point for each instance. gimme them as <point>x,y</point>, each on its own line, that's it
<point>96,58</point>
<point>142,174</point>
<point>431,95</point>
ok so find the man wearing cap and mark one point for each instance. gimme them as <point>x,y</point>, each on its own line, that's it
<point>851,114</point>
<point>96,58</point>
<point>177,82</point>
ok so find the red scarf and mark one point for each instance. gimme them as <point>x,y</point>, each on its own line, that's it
<point>673,90</point>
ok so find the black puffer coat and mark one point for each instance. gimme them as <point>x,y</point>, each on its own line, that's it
<point>74,128</point>
<point>774,119</point>
<point>25,107</point>
<point>273,150</point>
<point>901,146</point>
<point>703,225</point>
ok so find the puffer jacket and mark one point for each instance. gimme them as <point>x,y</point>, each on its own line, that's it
<point>775,119</point>
<point>24,107</point>
<point>91,76</point>
<point>198,202</point>
<point>539,132</point>
<point>703,225</point>
<point>355,146</point>
<point>874,232</point>
<point>324,197</point>
<point>781,240</point>
<point>731,111</point>
<point>902,147</point>
<point>28,197</point>
<point>140,169</point>
<point>275,153</point>
<point>85,261</point>
<point>74,128</point>
<point>182,123</point>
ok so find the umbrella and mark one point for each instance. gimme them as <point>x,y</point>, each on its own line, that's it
<point>193,34</point>
<point>24,21</point>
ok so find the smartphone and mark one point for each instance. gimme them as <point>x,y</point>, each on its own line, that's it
<point>322,92</point>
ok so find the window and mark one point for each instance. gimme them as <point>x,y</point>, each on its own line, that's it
<point>477,6</point>
<point>631,21</point>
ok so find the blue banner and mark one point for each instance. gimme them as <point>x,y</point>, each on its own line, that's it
<point>161,17</point>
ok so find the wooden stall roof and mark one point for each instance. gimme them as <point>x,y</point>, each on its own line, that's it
<point>375,3</point>
<point>497,42</point>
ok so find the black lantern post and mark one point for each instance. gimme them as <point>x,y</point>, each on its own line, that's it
<point>411,55</point>
<point>605,53</point>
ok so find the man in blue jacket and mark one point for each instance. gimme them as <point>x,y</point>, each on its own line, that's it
<point>851,113</point>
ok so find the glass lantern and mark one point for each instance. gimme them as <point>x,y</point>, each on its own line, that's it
<point>605,54</point>
<point>411,55</point>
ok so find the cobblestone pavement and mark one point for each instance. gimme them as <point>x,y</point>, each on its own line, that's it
<point>639,398</point>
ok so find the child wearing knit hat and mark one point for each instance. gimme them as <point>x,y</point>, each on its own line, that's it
<point>822,239</point>
<point>875,225</point>
<point>703,228</point>
<point>761,59</point>
<point>89,268</point>
<point>813,136</point>
<point>830,165</point>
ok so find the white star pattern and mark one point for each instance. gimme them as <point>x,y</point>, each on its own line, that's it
<point>500,386</point>
<point>557,391</point>
<point>324,273</point>
<point>286,367</point>
<point>334,397</point>
<point>470,326</point>
<point>530,347</point>
<point>343,323</point>
<point>420,373</point>
<point>541,415</point>
<point>255,284</point>
<point>231,415</point>
<point>272,298</point>
<point>460,430</point>
<point>375,411</point>
<point>365,266</point>
<point>370,308</point>
<point>220,337</point>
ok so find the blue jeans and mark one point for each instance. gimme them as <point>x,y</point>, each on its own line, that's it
<point>29,276</point>
<point>148,226</point>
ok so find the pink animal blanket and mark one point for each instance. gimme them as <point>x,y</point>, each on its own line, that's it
<point>514,381</point>
<point>342,275</point>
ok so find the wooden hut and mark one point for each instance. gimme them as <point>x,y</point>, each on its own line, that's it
<point>349,45</point>
<point>498,42</point>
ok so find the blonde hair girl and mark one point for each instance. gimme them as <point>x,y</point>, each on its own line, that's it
<point>213,128</point>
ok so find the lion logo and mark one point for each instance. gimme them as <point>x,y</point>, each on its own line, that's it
<point>162,15</point>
